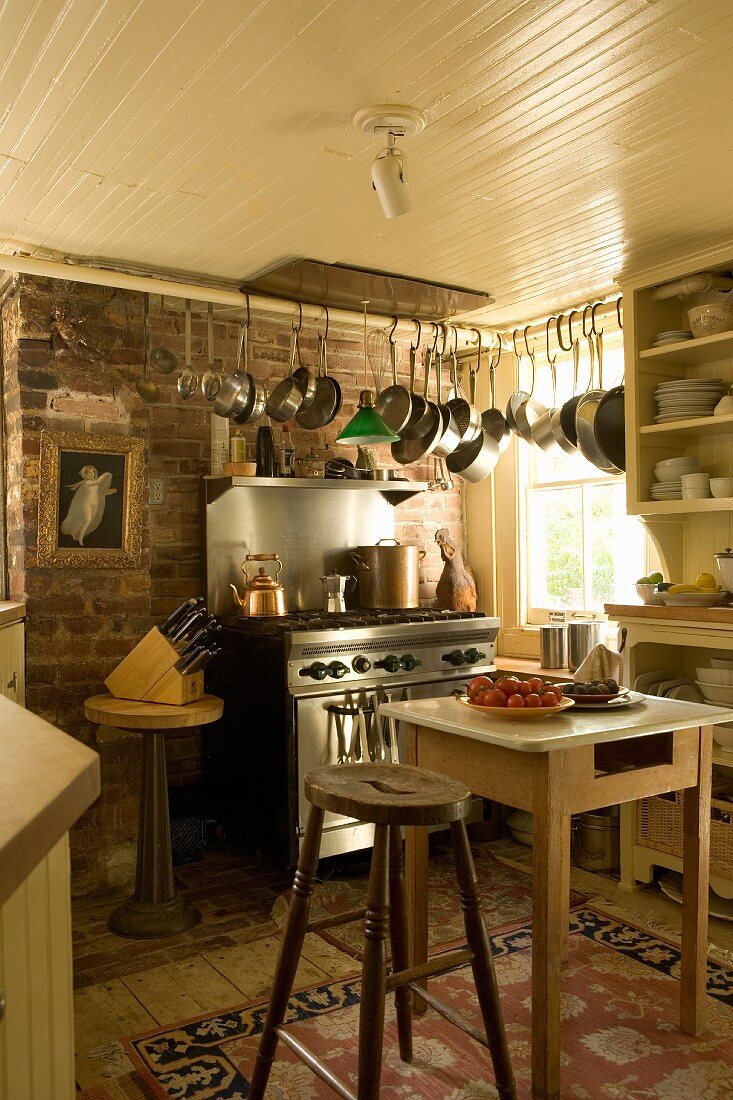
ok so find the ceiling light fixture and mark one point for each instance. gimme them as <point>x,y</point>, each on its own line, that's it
<point>366,426</point>
<point>389,173</point>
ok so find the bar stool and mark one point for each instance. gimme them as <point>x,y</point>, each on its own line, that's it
<point>389,795</point>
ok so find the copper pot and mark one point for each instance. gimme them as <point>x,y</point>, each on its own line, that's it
<point>263,594</point>
<point>389,576</point>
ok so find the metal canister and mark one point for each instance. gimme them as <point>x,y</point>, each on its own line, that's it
<point>582,637</point>
<point>554,646</point>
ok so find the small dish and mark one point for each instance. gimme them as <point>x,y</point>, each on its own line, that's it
<point>627,700</point>
<point>523,714</point>
<point>593,700</point>
<point>692,599</point>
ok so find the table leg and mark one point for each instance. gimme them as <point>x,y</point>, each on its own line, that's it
<point>155,909</point>
<point>695,866</point>
<point>549,910</point>
<point>416,877</point>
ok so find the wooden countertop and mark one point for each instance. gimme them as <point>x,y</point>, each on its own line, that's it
<point>47,780</point>
<point>11,611</point>
<point>530,666</point>
<point>686,614</point>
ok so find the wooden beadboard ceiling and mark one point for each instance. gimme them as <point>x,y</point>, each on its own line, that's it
<point>566,141</point>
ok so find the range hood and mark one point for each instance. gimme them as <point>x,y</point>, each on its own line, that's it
<point>341,287</point>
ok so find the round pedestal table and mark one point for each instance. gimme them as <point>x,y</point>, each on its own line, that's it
<point>155,909</point>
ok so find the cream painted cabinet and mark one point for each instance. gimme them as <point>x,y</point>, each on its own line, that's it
<point>12,662</point>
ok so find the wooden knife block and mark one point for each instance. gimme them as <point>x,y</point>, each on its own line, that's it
<point>148,674</point>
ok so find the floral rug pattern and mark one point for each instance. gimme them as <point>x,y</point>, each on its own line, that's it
<point>620,1035</point>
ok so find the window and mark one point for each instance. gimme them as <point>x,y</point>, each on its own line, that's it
<point>578,548</point>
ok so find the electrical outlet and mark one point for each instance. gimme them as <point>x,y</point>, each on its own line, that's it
<point>157,490</point>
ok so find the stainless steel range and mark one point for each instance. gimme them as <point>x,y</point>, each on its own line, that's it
<point>305,691</point>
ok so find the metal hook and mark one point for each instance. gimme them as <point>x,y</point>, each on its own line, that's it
<point>531,354</point>
<point>419,333</point>
<point>494,363</point>
<point>586,309</point>
<point>558,329</point>
<point>391,331</point>
<point>325,335</point>
<point>445,338</point>
<point>618,312</point>
<point>300,317</point>
<point>550,361</point>
<point>570,326</point>
<point>246,295</point>
<point>437,333</point>
<point>480,349</point>
<point>455,341</point>
<point>517,354</point>
<point>593,328</point>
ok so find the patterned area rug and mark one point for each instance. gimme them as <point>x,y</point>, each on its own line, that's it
<point>620,1035</point>
<point>505,893</point>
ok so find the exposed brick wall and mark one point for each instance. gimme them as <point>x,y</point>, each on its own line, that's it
<point>81,622</point>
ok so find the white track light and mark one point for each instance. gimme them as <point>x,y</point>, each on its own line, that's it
<point>390,121</point>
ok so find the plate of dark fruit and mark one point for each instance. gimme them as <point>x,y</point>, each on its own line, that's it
<point>595,692</point>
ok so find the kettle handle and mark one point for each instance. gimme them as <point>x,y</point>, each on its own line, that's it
<point>353,583</point>
<point>262,557</point>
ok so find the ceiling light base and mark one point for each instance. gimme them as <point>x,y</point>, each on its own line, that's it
<point>390,118</point>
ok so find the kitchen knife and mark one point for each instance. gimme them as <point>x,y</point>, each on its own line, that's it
<point>183,663</point>
<point>202,637</point>
<point>179,614</point>
<point>202,659</point>
<point>189,625</point>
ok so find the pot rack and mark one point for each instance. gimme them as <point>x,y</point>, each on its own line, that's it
<point>466,335</point>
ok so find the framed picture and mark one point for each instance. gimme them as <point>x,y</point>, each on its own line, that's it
<point>90,501</point>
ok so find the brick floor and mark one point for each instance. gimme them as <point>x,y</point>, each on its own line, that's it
<point>234,890</point>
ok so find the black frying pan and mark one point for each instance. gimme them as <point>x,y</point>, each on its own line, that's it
<point>609,427</point>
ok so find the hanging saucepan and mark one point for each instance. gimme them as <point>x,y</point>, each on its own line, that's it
<point>407,451</point>
<point>493,421</point>
<point>451,437</point>
<point>420,414</point>
<point>609,423</point>
<point>394,404</point>
<point>528,412</point>
<point>235,389</point>
<point>475,460</point>
<point>327,401</point>
<point>542,431</point>
<point>585,415</point>
<point>305,379</point>
<point>519,396</point>
<point>465,414</point>
<point>567,412</point>
<point>287,397</point>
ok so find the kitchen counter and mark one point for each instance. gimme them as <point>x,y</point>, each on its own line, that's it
<point>11,611</point>
<point>655,611</point>
<point>530,666</point>
<point>47,780</point>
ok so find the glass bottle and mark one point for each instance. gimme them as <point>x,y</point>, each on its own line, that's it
<point>286,454</point>
<point>265,452</point>
<point>238,447</point>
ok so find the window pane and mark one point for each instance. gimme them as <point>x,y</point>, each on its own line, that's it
<point>616,544</point>
<point>555,545</point>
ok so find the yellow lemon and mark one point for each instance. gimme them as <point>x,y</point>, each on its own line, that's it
<point>706,580</point>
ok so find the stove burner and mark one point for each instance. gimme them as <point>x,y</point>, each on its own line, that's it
<point>345,620</point>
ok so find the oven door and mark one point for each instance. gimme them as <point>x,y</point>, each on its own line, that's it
<point>346,728</point>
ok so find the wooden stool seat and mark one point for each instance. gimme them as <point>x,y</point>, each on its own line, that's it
<point>388,794</point>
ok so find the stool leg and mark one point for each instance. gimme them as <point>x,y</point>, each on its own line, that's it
<point>398,940</point>
<point>374,971</point>
<point>482,964</point>
<point>288,958</point>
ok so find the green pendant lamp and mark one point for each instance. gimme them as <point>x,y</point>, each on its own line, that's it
<point>366,426</point>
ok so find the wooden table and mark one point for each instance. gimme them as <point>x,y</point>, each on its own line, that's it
<point>555,767</point>
<point>155,909</point>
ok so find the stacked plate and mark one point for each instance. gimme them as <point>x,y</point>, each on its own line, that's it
<point>669,473</point>
<point>666,490</point>
<point>671,336</point>
<point>686,398</point>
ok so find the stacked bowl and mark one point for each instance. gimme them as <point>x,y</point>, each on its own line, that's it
<point>687,398</point>
<point>669,474</point>
<point>716,684</point>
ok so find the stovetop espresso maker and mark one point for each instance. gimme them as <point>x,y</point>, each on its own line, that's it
<point>335,588</point>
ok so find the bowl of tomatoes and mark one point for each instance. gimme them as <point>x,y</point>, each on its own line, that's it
<point>510,698</point>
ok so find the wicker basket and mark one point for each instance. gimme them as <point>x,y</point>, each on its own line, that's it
<point>659,826</point>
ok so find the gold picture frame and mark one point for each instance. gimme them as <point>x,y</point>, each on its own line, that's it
<point>90,501</point>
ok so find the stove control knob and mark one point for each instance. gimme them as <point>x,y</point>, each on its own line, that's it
<point>390,663</point>
<point>409,662</point>
<point>317,671</point>
<point>456,657</point>
<point>474,655</point>
<point>361,664</point>
<point>337,669</point>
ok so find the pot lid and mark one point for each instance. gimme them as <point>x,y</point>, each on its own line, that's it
<point>727,553</point>
<point>263,581</point>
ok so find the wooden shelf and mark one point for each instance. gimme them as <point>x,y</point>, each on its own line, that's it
<point>680,507</point>
<point>706,349</point>
<point>695,426</point>
<point>618,611</point>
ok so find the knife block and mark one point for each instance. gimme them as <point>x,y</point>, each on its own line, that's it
<point>148,674</point>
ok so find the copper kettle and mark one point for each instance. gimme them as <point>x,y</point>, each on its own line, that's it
<point>262,595</point>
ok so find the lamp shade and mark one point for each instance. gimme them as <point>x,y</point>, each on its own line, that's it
<point>366,426</point>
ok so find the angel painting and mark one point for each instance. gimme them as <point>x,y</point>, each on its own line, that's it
<point>87,504</point>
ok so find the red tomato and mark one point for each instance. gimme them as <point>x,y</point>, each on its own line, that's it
<point>549,699</point>
<point>557,688</point>
<point>525,687</point>
<point>479,683</point>
<point>536,684</point>
<point>532,700</point>
<point>515,701</point>
<point>492,698</point>
<point>510,685</point>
